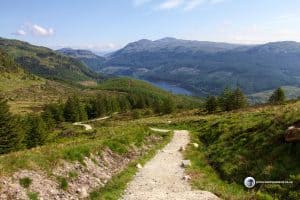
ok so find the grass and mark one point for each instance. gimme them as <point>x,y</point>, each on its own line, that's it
<point>234,145</point>
<point>119,136</point>
<point>25,182</point>
<point>33,195</point>
<point>63,183</point>
<point>73,174</point>
<point>113,190</point>
<point>205,177</point>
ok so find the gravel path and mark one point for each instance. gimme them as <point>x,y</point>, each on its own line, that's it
<point>87,126</point>
<point>161,178</point>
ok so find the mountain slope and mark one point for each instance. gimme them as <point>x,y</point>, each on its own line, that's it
<point>206,68</point>
<point>92,60</point>
<point>47,63</point>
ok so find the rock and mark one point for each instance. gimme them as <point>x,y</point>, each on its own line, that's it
<point>139,166</point>
<point>185,163</point>
<point>83,193</point>
<point>186,178</point>
<point>292,134</point>
<point>196,145</point>
<point>182,148</point>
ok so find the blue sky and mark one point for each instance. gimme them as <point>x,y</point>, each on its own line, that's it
<point>104,25</point>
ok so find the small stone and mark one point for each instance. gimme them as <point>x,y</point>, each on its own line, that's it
<point>83,193</point>
<point>185,163</point>
<point>182,148</point>
<point>186,178</point>
<point>139,166</point>
<point>195,145</point>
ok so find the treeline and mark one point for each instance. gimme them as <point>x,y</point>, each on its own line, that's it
<point>235,99</point>
<point>227,101</point>
<point>32,130</point>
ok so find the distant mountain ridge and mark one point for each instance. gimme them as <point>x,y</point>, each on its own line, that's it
<point>89,58</point>
<point>47,63</point>
<point>207,67</point>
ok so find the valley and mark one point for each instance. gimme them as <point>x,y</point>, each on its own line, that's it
<point>88,135</point>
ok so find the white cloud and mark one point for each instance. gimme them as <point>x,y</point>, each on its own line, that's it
<point>34,29</point>
<point>41,31</point>
<point>187,5</point>
<point>20,32</point>
<point>170,4</point>
<point>191,4</point>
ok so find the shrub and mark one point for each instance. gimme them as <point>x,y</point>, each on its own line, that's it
<point>25,182</point>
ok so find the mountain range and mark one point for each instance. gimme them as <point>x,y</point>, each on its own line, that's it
<point>204,67</point>
<point>47,63</point>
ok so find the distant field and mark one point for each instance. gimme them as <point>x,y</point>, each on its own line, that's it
<point>291,92</point>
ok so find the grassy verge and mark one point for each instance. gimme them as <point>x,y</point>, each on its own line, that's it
<point>116,186</point>
<point>205,177</point>
<point>120,138</point>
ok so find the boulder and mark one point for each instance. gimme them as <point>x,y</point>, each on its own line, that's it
<point>292,134</point>
<point>185,163</point>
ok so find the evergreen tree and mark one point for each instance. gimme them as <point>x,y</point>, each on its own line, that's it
<point>158,106</point>
<point>278,96</point>
<point>10,134</point>
<point>211,104</point>
<point>168,106</point>
<point>49,119</point>
<point>73,109</point>
<point>225,100</point>
<point>238,99</point>
<point>124,104</point>
<point>36,131</point>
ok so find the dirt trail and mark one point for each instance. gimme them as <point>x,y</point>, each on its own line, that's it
<point>162,177</point>
<point>87,126</point>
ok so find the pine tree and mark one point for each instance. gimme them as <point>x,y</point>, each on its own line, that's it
<point>49,119</point>
<point>72,109</point>
<point>10,134</point>
<point>225,99</point>
<point>36,131</point>
<point>168,105</point>
<point>211,104</point>
<point>238,99</point>
<point>278,96</point>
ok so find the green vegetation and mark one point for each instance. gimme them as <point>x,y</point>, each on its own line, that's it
<point>10,133</point>
<point>278,96</point>
<point>227,101</point>
<point>36,134</point>
<point>63,183</point>
<point>25,182</point>
<point>47,63</point>
<point>115,187</point>
<point>33,195</point>
<point>291,92</point>
<point>211,104</point>
<point>244,143</point>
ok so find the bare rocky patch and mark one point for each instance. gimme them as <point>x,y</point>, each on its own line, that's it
<point>69,180</point>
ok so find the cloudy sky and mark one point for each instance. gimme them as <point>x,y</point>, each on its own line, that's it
<point>105,25</point>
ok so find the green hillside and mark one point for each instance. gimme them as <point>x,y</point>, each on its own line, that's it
<point>291,92</point>
<point>130,85</point>
<point>47,63</point>
<point>235,145</point>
